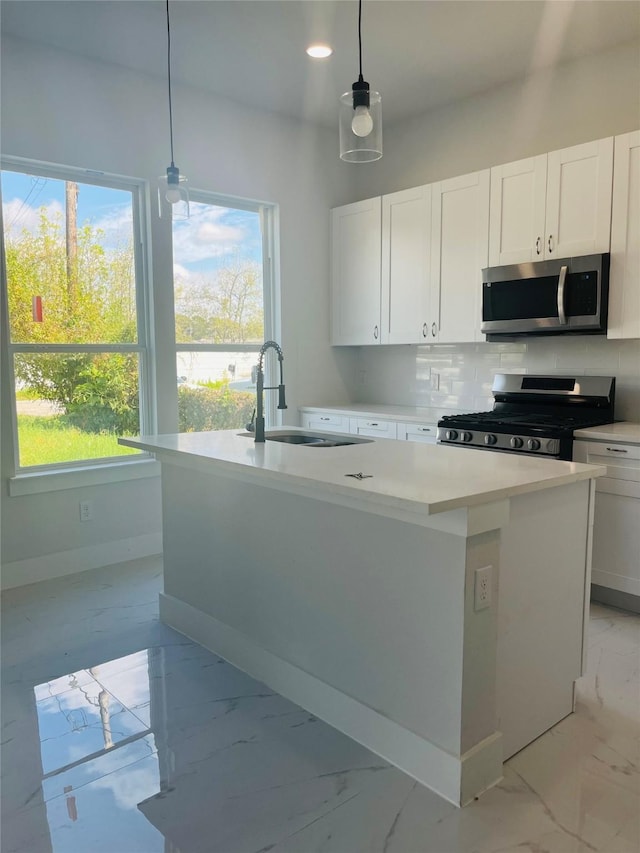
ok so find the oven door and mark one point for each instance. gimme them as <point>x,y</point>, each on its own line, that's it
<point>548,297</point>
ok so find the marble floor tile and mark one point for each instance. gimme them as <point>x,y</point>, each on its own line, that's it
<point>121,736</point>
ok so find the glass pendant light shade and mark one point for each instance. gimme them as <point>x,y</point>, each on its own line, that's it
<point>360,125</point>
<point>173,194</point>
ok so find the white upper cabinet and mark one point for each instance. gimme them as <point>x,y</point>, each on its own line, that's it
<point>356,231</point>
<point>518,197</point>
<point>579,181</point>
<point>553,206</point>
<point>459,252</point>
<point>406,238</point>
<point>624,284</point>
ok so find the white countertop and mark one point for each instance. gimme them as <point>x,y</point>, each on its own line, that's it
<point>406,476</point>
<point>625,432</point>
<point>410,414</point>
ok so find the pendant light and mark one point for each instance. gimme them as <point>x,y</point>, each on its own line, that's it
<point>360,117</point>
<point>173,187</point>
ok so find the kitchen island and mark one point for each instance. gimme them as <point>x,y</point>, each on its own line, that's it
<point>433,607</point>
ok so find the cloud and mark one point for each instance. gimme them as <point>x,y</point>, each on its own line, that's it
<point>18,216</point>
<point>205,236</point>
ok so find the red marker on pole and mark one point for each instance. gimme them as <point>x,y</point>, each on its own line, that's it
<point>36,308</point>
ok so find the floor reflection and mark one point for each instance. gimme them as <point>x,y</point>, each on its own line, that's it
<point>99,755</point>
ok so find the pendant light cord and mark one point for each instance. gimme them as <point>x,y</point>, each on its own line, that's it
<point>169,82</point>
<point>359,35</point>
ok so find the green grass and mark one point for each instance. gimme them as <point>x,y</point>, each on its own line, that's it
<point>46,440</point>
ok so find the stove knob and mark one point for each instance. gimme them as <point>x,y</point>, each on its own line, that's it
<point>466,436</point>
<point>533,444</point>
<point>490,439</point>
<point>516,442</point>
<point>451,434</point>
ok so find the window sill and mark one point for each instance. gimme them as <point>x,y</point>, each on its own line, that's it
<point>74,478</point>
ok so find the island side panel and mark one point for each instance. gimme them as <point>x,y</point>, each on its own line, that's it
<point>545,567</point>
<point>372,606</point>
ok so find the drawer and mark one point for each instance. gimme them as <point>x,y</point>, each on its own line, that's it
<point>374,427</point>
<point>425,433</point>
<point>622,462</point>
<point>327,422</point>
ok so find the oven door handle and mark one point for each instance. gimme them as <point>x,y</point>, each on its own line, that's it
<point>562,279</point>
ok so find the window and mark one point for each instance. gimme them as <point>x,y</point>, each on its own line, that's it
<point>224,309</point>
<point>76,313</point>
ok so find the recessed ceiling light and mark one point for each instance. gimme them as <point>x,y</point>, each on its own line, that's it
<point>319,51</point>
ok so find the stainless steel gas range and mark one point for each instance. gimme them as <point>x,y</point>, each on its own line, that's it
<point>534,414</point>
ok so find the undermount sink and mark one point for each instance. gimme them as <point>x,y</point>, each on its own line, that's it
<point>310,439</point>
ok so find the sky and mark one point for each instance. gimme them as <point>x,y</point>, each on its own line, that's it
<point>213,236</point>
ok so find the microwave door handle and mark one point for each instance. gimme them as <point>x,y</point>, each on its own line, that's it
<point>562,317</point>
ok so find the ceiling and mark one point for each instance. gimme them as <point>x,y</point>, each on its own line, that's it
<point>419,54</point>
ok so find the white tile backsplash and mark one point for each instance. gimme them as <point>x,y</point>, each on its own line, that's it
<point>460,376</point>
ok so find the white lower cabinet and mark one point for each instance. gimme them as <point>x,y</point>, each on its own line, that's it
<point>616,530</point>
<point>325,421</point>
<point>374,427</point>
<point>423,433</point>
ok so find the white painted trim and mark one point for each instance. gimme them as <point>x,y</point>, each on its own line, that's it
<point>74,478</point>
<point>456,778</point>
<point>49,566</point>
<point>621,583</point>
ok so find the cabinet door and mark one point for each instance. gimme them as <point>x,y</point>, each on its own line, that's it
<point>406,238</point>
<point>624,284</point>
<point>355,281</point>
<point>579,184</point>
<point>516,218</point>
<point>459,251</point>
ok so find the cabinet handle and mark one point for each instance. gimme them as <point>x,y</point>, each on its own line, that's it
<point>616,450</point>
<point>372,424</point>
<point>375,332</point>
<point>538,245</point>
<point>434,329</point>
<point>325,419</point>
<point>550,242</point>
<point>424,429</point>
<point>425,330</point>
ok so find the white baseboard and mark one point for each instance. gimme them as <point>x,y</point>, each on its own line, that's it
<point>621,583</point>
<point>49,566</point>
<point>456,778</point>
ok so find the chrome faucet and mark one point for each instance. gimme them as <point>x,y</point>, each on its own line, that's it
<point>260,388</point>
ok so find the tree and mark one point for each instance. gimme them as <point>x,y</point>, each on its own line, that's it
<point>226,308</point>
<point>90,301</point>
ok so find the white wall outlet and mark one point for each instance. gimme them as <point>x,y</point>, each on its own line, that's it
<point>86,510</point>
<point>482,588</point>
<point>435,381</point>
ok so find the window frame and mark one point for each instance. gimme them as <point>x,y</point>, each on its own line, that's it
<point>268,214</point>
<point>27,478</point>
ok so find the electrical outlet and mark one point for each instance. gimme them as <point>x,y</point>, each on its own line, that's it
<point>86,510</point>
<point>482,588</point>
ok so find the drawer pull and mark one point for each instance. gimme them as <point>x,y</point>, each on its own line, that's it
<point>424,429</point>
<point>325,419</point>
<point>616,450</point>
<point>372,424</point>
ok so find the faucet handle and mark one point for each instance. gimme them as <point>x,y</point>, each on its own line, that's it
<point>251,426</point>
<point>281,401</point>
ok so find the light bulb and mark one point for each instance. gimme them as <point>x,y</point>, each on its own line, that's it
<point>362,123</point>
<point>172,195</point>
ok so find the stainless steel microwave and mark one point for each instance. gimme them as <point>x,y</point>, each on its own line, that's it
<point>563,296</point>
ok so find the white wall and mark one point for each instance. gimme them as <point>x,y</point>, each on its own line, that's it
<point>61,108</point>
<point>587,99</point>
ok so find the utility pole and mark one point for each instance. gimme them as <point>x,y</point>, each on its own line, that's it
<point>71,197</point>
